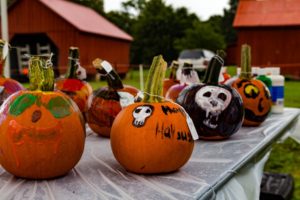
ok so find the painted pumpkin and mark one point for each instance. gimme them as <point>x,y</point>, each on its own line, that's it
<point>8,86</point>
<point>169,82</point>
<point>107,102</point>
<point>152,136</point>
<point>42,132</point>
<point>77,89</point>
<point>256,96</point>
<point>216,110</point>
<point>188,77</point>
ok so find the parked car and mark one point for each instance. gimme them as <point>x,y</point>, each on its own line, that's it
<point>199,58</point>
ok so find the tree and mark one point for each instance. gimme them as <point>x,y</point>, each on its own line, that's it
<point>201,35</point>
<point>228,30</point>
<point>155,30</point>
<point>97,5</point>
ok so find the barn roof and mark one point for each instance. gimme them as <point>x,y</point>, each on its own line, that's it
<point>262,13</point>
<point>85,19</point>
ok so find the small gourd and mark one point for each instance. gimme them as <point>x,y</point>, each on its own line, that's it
<point>77,89</point>
<point>216,109</point>
<point>256,96</point>
<point>152,136</point>
<point>42,132</point>
<point>8,86</point>
<point>106,102</point>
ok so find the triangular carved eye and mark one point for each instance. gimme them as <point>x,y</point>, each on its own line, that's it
<point>59,107</point>
<point>21,103</point>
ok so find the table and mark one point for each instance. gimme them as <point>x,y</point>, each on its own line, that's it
<point>212,165</point>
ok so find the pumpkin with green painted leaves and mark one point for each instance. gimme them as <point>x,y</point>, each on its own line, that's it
<point>42,132</point>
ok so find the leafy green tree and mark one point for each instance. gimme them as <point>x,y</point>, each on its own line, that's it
<point>97,5</point>
<point>227,22</point>
<point>201,35</point>
<point>155,30</point>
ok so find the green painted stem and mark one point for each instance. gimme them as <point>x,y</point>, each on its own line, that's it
<point>73,62</point>
<point>41,74</point>
<point>246,72</point>
<point>213,70</point>
<point>154,83</point>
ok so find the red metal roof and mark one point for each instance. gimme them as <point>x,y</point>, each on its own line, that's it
<point>253,13</point>
<point>85,19</point>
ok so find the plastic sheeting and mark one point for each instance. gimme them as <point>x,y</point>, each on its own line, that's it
<point>213,163</point>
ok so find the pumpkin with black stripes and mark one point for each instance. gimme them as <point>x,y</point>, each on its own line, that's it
<point>256,96</point>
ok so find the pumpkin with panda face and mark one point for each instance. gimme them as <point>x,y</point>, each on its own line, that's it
<point>42,132</point>
<point>256,96</point>
<point>216,109</point>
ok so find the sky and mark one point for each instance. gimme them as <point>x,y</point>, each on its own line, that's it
<point>203,8</point>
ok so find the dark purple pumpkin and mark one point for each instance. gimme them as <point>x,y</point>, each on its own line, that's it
<point>216,110</point>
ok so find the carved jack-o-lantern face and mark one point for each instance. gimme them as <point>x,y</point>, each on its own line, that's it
<point>256,98</point>
<point>40,126</point>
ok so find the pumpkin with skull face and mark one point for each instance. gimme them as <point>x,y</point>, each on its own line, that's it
<point>256,96</point>
<point>41,132</point>
<point>216,110</point>
<point>152,136</point>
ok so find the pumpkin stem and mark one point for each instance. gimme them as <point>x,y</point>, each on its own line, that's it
<point>41,74</point>
<point>112,77</point>
<point>4,47</point>
<point>73,62</point>
<point>213,70</point>
<point>154,82</point>
<point>246,62</point>
<point>174,67</point>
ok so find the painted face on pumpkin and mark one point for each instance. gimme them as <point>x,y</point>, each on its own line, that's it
<point>214,100</point>
<point>38,127</point>
<point>140,114</point>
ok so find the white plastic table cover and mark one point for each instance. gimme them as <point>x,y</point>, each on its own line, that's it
<point>99,176</point>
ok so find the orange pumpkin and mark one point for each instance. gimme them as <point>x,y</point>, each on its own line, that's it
<point>152,136</point>
<point>41,132</point>
<point>255,95</point>
<point>77,89</point>
<point>8,86</point>
<point>107,102</point>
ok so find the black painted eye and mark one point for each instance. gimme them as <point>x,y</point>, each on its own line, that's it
<point>137,110</point>
<point>148,111</point>
<point>207,94</point>
<point>222,96</point>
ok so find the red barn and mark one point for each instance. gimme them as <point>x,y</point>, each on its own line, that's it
<point>272,28</point>
<point>39,26</point>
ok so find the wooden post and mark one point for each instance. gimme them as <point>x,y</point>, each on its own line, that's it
<point>141,77</point>
<point>5,36</point>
